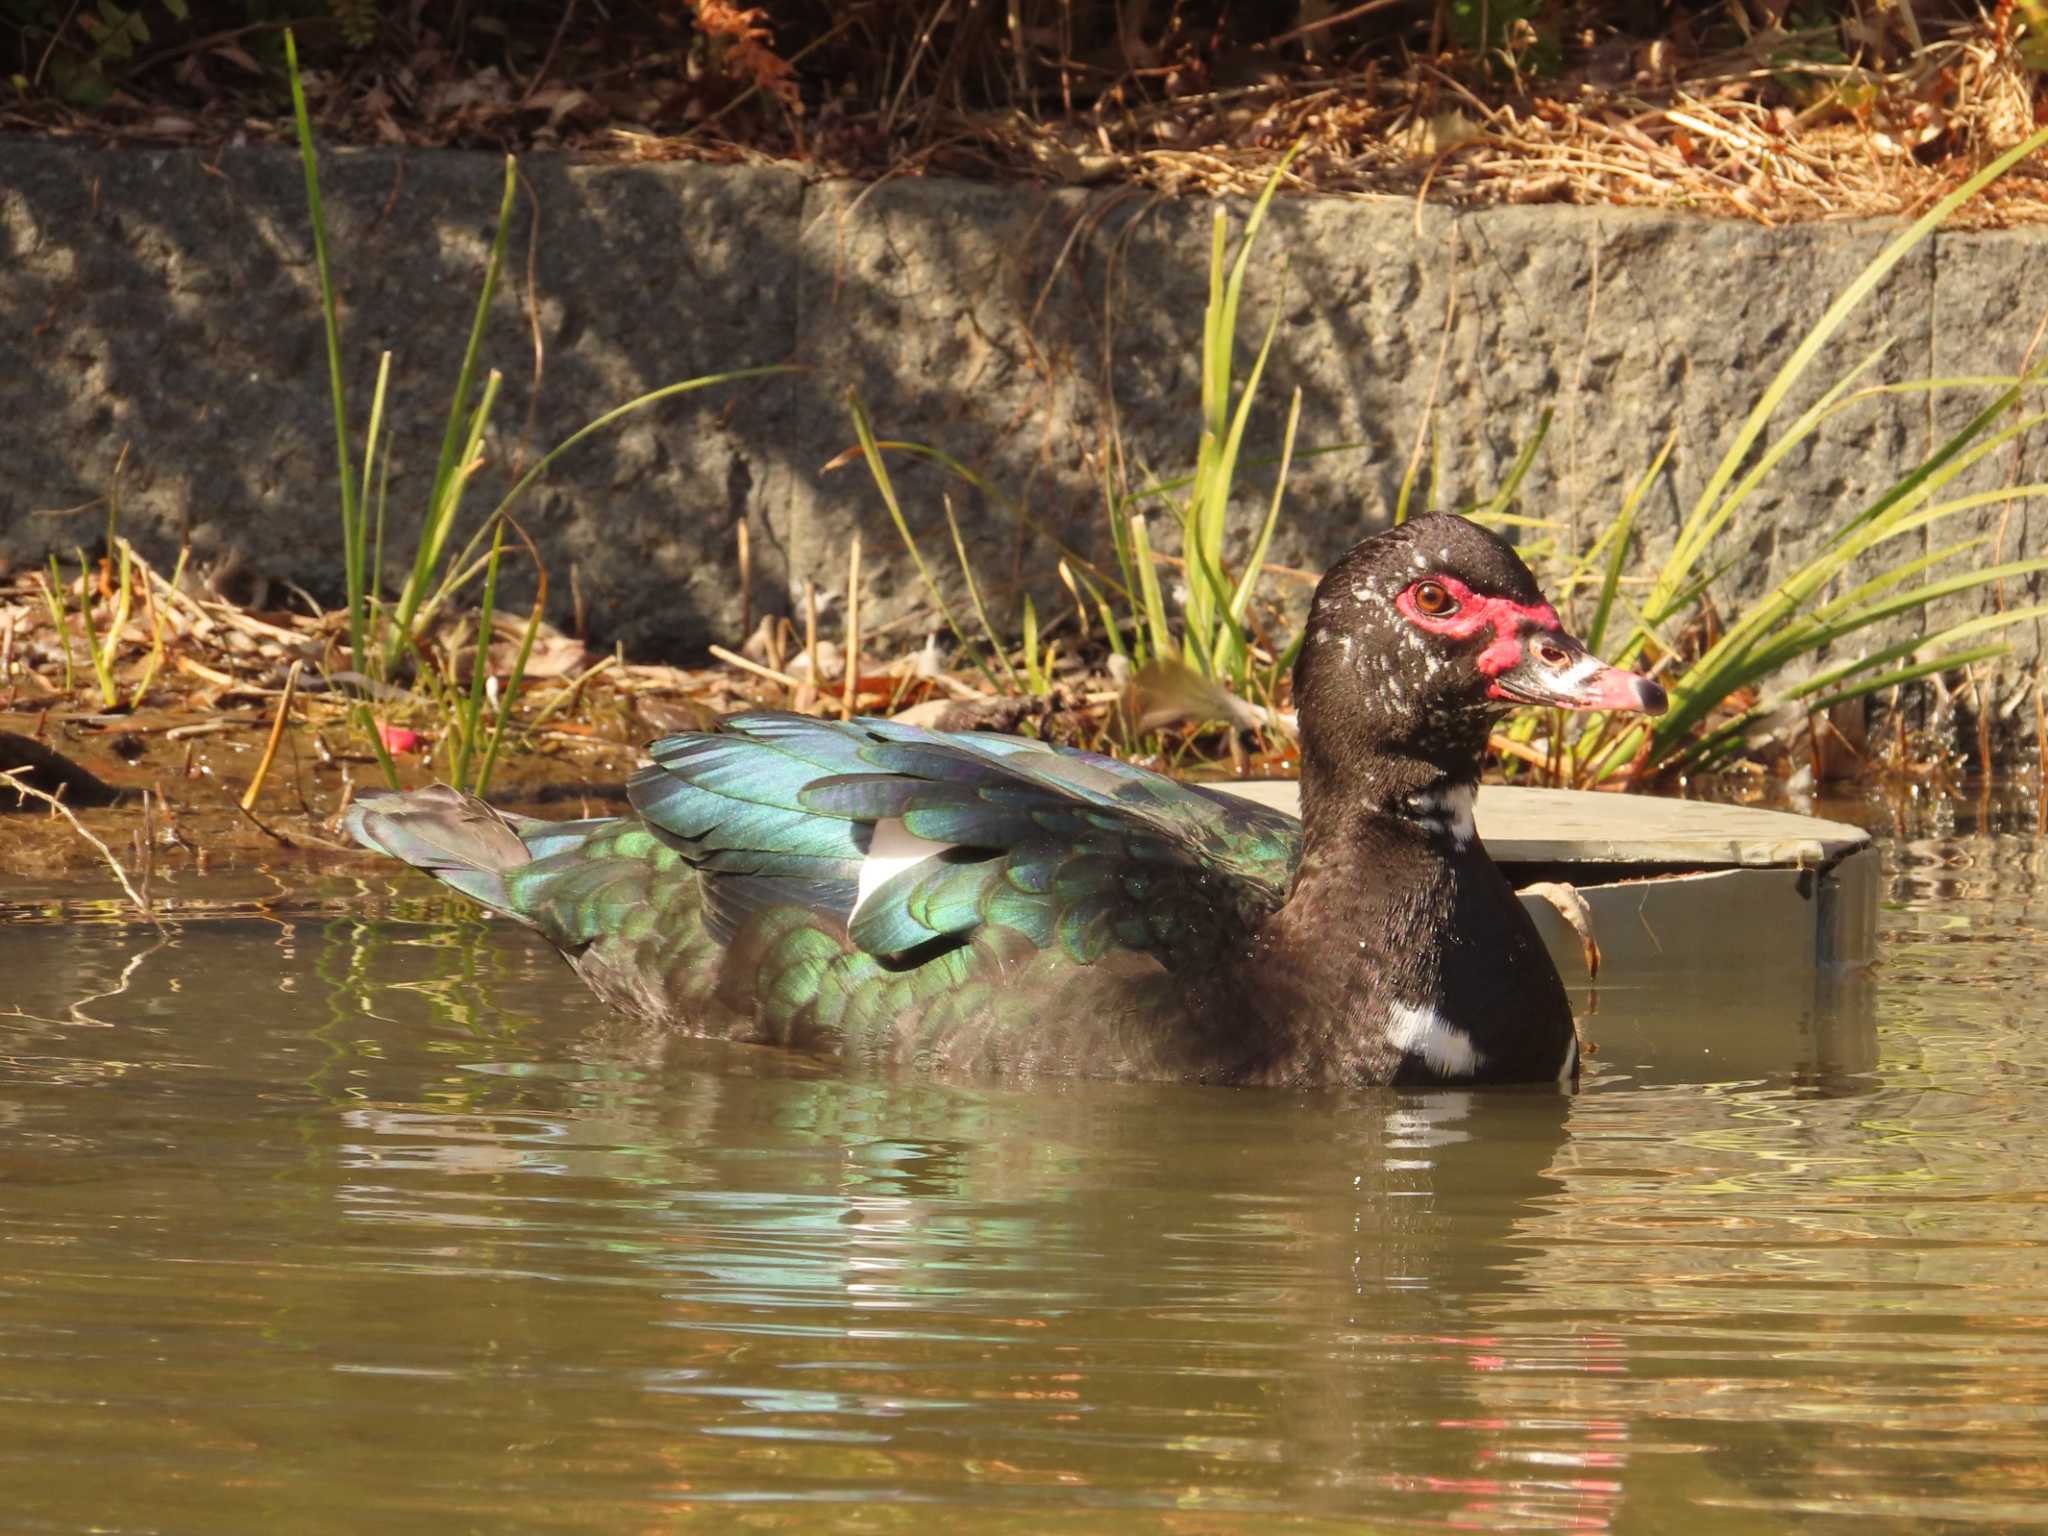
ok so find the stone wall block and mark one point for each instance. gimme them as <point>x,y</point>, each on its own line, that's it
<point>915,295</point>
<point>165,303</point>
<point>1633,324</point>
<point>1359,295</point>
<point>1020,330</point>
<point>1990,298</point>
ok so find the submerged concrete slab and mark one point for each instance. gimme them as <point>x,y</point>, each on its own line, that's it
<point>1676,887</point>
<point>1570,826</point>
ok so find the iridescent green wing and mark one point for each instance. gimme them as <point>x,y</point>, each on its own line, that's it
<point>1067,849</point>
<point>907,896</point>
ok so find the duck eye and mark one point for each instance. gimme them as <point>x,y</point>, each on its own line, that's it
<point>1432,599</point>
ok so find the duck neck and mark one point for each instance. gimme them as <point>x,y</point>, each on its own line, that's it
<point>1371,905</point>
<point>1351,812</point>
<point>1400,947</point>
<point>1381,867</point>
<point>1389,876</point>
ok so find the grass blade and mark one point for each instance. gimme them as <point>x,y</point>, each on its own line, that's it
<point>1617,554</point>
<point>516,679</point>
<point>995,646</point>
<point>324,271</point>
<point>880,471</point>
<point>357,530</point>
<point>1240,600</point>
<point>451,472</point>
<point>1496,508</point>
<point>1152,600</point>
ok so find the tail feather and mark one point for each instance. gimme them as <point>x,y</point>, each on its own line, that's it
<point>454,837</point>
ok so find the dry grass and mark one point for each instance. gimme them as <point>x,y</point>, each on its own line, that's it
<point>1832,122</point>
<point>230,760</point>
<point>1871,143</point>
<point>242,718</point>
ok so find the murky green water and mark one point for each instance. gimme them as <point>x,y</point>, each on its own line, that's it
<point>314,1224</point>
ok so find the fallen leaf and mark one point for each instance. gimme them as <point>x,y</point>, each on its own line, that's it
<point>1571,906</point>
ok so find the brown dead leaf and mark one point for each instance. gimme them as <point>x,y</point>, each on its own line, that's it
<point>240,57</point>
<point>991,714</point>
<point>558,101</point>
<point>554,655</point>
<point>1571,906</point>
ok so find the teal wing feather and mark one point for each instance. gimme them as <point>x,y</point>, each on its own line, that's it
<point>1069,848</point>
<point>1075,893</point>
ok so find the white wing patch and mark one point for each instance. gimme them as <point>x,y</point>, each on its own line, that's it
<point>1444,1048</point>
<point>893,849</point>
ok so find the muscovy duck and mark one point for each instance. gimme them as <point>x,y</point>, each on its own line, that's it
<point>986,904</point>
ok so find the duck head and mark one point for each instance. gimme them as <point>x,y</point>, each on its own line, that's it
<point>1419,639</point>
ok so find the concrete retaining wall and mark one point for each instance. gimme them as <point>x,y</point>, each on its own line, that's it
<point>163,301</point>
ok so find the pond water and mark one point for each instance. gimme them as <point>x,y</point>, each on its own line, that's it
<point>353,1214</point>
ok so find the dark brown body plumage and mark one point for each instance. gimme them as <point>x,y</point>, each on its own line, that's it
<point>906,899</point>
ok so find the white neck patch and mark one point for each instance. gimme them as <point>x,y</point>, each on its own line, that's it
<point>1444,1048</point>
<point>893,849</point>
<point>1445,809</point>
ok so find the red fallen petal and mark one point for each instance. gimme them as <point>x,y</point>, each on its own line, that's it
<point>397,738</point>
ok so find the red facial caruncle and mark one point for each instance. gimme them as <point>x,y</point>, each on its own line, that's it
<point>1469,614</point>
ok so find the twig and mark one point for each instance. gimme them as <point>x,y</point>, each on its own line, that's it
<point>2040,754</point>
<point>284,840</point>
<point>21,787</point>
<point>809,692</point>
<point>203,728</point>
<point>851,691</point>
<point>254,627</point>
<point>547,59</point>
<point>145,848</point>
<point>284,709</point>
<point>734,659</point>
<point>2017,457</point>
<point>1293,573</point>
<point>746,578</point>
<point>570,696</point>
<point>1322,22</point>
<point>43,63</point>
<point>1983,724</point>
<point>811,625</point>
<point>1507,746</point>
<point>156,634</point>
<point>205,44</point>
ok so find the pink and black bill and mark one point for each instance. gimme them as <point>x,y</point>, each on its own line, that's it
<point>1528,658</point>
